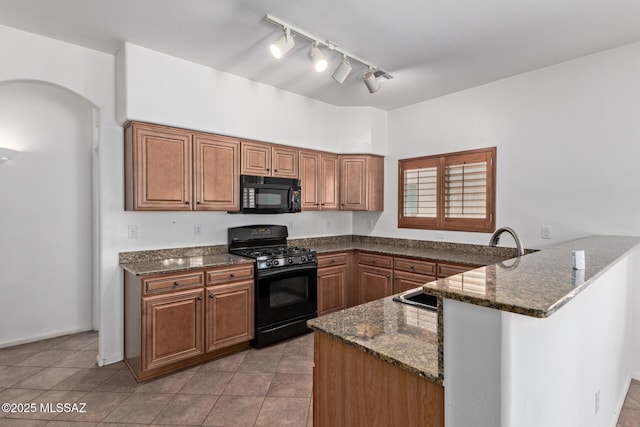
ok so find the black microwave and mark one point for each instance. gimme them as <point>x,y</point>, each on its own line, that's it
<point>268,195</point>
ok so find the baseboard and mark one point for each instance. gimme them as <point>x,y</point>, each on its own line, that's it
<point>109,360</point>
<point>44,337</point>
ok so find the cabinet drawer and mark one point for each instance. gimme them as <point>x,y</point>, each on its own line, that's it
<point>446,270</point>
<point>376,260</point>
<point>172,283</point>
<point>415,266</point>
<point>331,260</point>
<point>227,274</point>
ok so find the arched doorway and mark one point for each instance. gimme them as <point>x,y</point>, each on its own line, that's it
<point>47,212</point>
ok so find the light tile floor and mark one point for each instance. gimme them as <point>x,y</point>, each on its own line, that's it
<point>266,387</point>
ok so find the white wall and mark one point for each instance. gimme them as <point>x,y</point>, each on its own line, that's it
<point>89,74</point>
<point>567,139</point>
<point>46,215</point>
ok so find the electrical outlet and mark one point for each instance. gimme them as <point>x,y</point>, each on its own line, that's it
<point>133,232</point>
<point>545,232</point>
<point>197,230</point>
<point>597,402</point>
<point>290,226</point>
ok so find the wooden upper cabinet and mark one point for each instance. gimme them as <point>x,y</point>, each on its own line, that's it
<point>170,169</point>
<point>329,179</point>
<point>319,176</point>
<point>285,162</point>
<point>261,159</point>
<point>217,172</point>
<point>362,183</point>
<point>157,168</point>
<point>256,159</point>
<point>309,177</point>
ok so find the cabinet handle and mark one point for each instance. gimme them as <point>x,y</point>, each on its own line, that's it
<point>176,283</point>
<point>317,204</point>
<point>198,202</point>
<point>322,204</point>
<point>332,261</point>
<point>275,170</point>
<point>186,202</point>
<point>200,298</point>
<point>232,275</point>
<point>412,267</point>
<point>211,296</point>
<point>267,169</point>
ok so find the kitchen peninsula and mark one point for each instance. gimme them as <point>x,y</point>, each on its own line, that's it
<point>511,347</point>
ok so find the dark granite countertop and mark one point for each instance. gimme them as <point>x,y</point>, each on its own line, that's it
<point>183,259</point>
<point>457,254</point>
<point>397,333</point>
<point>172,265</point>
<point>537,284</point>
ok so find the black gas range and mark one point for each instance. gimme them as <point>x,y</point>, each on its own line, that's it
<point>285,281</point>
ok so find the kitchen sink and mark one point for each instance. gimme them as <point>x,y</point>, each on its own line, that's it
<point>418,298</point>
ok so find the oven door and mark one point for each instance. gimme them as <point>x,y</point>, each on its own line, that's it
<point>286,293</point>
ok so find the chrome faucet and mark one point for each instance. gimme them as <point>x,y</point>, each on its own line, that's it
<point>495,238</point>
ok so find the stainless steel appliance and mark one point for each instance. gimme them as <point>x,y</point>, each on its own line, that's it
<point>286,281</point>
<point>268,195</point>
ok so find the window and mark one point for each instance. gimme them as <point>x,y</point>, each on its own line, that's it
<point>454,191</point>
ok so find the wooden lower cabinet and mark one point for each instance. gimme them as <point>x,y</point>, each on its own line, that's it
<point>403,281</point>
<point>374,283</point>
<point>352,388</point>
<point>176,320</point>
<point>332,282</point>
<point>172,328</point>
<point>229,314</point>
<point>447,269</point>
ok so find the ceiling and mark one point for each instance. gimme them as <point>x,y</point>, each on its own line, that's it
<point>430,47</point>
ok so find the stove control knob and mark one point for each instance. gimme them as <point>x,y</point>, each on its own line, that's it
<point>276,262</point>
<point>268,263</point>
<point>303,259</point>
<point>290,261</point>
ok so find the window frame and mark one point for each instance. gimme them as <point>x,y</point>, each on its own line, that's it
<point>440,221</point>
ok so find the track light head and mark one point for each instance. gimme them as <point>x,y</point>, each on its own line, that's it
<point>317,58</point>
<point>282,45</point>
<point>371,81</point>
<point>343,70</point>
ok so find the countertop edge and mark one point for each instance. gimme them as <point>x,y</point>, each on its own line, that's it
<point>378,355</point>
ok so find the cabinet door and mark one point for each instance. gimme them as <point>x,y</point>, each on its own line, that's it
<point>329,179</point>
<point>331,289</point>
<point>229,315</point>
<point>309,168</point>
<point>285,162</point>
<point>353,188</point>
<point>374,283</point>
<point>446,269</point>
<point>256,159</point>
<point>403,281</point>
<point>217,173</point>
<point>158,168</point>
<point>172,328</point>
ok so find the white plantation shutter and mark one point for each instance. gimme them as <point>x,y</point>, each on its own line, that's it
<point>420,192</point>
<point>466,190</point>
<point>454,191</point>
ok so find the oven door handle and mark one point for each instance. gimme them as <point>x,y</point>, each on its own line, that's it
<point>308,268</point>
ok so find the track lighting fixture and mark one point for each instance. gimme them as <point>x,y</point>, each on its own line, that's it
<point>285,43</point>
<point>342,71</point>
<point>371,81</point>
<point>317,58</point>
